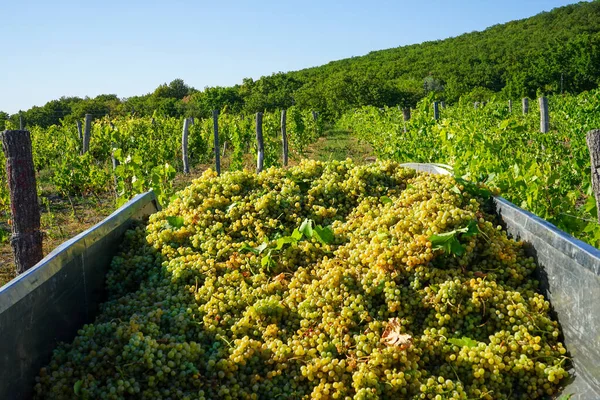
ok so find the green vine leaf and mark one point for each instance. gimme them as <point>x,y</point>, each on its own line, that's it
<point>77,387</point>
<point>474,189</point>
<point>306,228</point>
<point>324,235</point>
<point>448,241</point>
<point>385,200</point>
<point>463,342</point>
<point>175,222</point>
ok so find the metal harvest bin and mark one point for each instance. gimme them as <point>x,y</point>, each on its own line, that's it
<point>50,302</point>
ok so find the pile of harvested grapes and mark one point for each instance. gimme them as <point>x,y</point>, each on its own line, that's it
<point>324,281</point>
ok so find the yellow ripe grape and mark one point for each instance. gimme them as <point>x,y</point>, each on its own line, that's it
<point>322,280</point>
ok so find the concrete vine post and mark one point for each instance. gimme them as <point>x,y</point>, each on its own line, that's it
<point>405,116</point>
<point>26,239</point>
<point>260,158</point>
<point>87,133</point>
<point>284,139</point>
<point>115,163</point>
<point>593,144</point>
<point>525,105</point>
<point>215,114</point>
<point>184,146</point>
<point>510,106</point>
<point>79,130</point>
<point>544,116</point>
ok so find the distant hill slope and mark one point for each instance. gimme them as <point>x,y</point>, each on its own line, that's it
<point>517,59</point>
<point>512,60</point>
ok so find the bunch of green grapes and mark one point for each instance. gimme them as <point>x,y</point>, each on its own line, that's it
<point>323,281</point>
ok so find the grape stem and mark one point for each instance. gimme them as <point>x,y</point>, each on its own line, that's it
<point>221,337</point>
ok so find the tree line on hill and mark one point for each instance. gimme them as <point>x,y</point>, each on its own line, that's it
<point>552,52</point>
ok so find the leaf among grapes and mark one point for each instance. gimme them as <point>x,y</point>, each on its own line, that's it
<point>283,241</point>
<point>385,200</point>
<point>256,250</point>
<point>392,335</point>
<point>77,387</point>
<point>324,235</point>
<point>471,229</point>
<point>175,222</point>
<point>267,261</point>
<point>448,241</point>
<point>474,189</point>
<point>463,342</point>
<point>232,206</point>
<point>306,228</point>
<point>309,229</point>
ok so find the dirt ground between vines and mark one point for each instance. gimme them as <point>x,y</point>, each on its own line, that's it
<point>63,218</point>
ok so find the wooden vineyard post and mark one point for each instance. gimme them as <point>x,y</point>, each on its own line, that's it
<point>223,152</point>
<point>79,131</point>
<point>525,105</point>
<point>87,133</point>
<point>284,140</point>
<point>405,116</point>
<point>510,106</point>
<point>593,143</point>
<point>476,105</point>
<point>216,140</point>
<point>259,141</point>
<point>315,115</point>
<point>115,163</point>
<point>544,117</point>
<point>436,110</point>
<point>26,239</point>
<point>184,146</point>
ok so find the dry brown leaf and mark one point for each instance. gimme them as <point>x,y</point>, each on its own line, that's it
<point>393,337</point>
<point>280,278</point>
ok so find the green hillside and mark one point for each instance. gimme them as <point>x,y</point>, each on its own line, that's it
<point>516,59</point>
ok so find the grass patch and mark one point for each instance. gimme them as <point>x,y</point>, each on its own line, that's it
<point>340,145</point>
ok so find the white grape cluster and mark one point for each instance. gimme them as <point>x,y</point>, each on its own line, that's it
<point>322,281</point>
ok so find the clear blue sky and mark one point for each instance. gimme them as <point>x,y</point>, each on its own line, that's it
<point>75,48</point>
